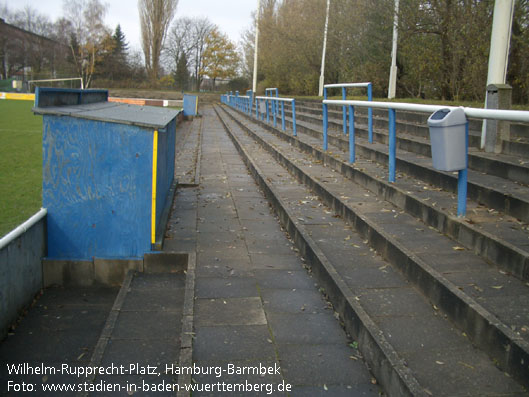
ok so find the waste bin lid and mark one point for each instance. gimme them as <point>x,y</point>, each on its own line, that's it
<point>447,117</point>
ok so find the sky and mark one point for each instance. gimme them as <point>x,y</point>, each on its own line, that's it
<point>232,16</point>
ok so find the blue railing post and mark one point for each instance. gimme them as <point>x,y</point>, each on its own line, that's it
<point>274,107</point>
<point>256,108</point>
<point>370,112</point>
<point>283,115</point>
<point>392,144</point>
<point>267,111</point>
<point>325,120</point>
<point>351,134</point>
<point>344,111</point>
<point>462,182</point>
<point>294,117</point>
<point>277,110</point>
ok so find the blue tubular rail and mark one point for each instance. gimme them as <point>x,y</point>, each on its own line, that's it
<point>282,100</point>
<point>392,107</point>
<point>344,87</point>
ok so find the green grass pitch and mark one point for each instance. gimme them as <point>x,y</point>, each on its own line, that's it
<point>20,163</point>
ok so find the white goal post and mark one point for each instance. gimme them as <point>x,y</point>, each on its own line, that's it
<point>50,80</point>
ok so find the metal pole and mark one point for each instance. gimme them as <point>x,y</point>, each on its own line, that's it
<point>276,107</point>
<point>462,183</point>
<point>294,117</point>
<point>320,91</point>
<point>352,154</point>
<point>344,111</point>
<point>392,144</point>
<point>283,115</point>
<point>499,48</point>
<point>254,85</point>
<point>325,121</point>
<point>274,111</point>
<point>393,71</point>
<point>370,112</point>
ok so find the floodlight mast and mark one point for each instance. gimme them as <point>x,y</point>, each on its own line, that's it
<point>254,85</point>
<point>392,89</point>
<point>499,49</point>
<point>320,91</point>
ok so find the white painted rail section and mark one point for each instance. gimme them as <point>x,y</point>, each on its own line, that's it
<point>493,114</point>
<point>275,98</point>
<point>21,229</point>
<point>347,85</point>
<point>392,107</point>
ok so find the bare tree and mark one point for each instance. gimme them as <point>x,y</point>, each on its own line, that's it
<point>155,17</point>
<point>201,29</point>
<point>179,41</point>
<point>88,34</point>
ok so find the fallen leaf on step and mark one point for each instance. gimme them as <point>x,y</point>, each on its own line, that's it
<point>465,364</point>
<point>457,248</point>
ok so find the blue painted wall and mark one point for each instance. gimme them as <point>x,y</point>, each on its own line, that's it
<point>97,188</point>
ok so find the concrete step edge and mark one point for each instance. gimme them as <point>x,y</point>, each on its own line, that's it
<point>491,247</point>
<point>504,202</point>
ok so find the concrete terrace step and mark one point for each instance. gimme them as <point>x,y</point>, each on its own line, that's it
<point>406,336</point>
<point>497,193</point>
<point>415,138</point>
<point>418,233</point>
<point>500,239</point>
<point>148,331</point>
<point>416,124</point>
<point>61,328</point>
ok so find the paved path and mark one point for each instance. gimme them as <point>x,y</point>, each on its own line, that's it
<point>255,302</point>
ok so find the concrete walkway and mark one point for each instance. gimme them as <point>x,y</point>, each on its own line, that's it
<point>256,305</point>
<point>261,324</point>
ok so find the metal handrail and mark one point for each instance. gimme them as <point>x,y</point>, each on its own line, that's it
<point>392,107</point>
<point>21,229</point>
<point>344,87</point>
<point>274,101</point>
<point>492,114</point>
<point>275,98</point>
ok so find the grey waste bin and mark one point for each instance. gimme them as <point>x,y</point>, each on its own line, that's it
<point>448,139</point>
<point>262,107</point>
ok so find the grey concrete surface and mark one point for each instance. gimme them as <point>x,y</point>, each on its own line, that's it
<point>255,303</point>
<point>363,277</point>
<point>21,273</point>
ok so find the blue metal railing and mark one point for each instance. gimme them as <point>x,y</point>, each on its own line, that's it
<point>344,87</point>
<point>274,102</point>
<point>269,92</point>
<point>508,115</point>
<point>245,103</point>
